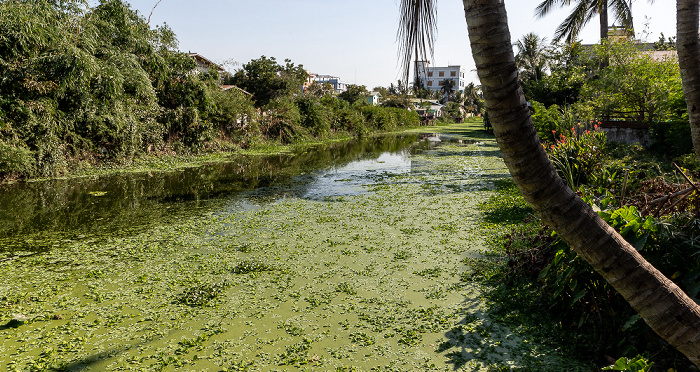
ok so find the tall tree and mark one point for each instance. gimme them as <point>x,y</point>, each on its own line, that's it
<point>447,87</point>
<point>583,12</point>
<point>417,18</point>
<point>531,58</point>
<point>663,305</point>
<point>688,46</point>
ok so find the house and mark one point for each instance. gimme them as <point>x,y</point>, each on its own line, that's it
<point>620,34</point>
<point>339,85</point>
<point>227,87</point>
<point>433,77</point>
<point>373,98</point>
<point>427,108</point>
<point>204,65</point>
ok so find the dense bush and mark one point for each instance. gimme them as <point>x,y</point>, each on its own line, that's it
<point>83,85</point>
<point>672,138</point>
<point>576,154</point>
<point>314,115</point>
<point>542,280</point>
<point>282,120</point>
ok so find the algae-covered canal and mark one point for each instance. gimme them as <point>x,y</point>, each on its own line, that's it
<point>345,258</point>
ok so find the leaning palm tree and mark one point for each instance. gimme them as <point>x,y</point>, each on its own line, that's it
<point>583,12</point>
<point>662,304</point>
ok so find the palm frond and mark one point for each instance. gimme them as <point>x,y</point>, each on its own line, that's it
<point>623,13</point>
<point>547,5</point>
<point>417,31</point>
<point>572,25</point>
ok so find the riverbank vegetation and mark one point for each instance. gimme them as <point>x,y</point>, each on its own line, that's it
<point>539,281</point>
<point>87,86</point>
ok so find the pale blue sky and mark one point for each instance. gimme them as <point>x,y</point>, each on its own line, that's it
<point>356,39</point>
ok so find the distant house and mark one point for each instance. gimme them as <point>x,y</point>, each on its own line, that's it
<point>433,77</point>
<point>620,34</point>
<point>227,87</point>
<point>373,98</point>
<point>427,108</point>
<point>204,65</point>
<point>339,85</point>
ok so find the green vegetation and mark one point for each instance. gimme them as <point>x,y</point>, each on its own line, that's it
<point>360,282</point>
<point>88,86</point>
<point>540,281</point>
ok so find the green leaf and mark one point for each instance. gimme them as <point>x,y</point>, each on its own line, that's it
<point>630,322</point>
<point>577,296</point>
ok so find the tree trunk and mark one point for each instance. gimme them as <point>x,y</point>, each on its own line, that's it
<point>603,13</point>
<point>688,45</point>
<point>662,305</point>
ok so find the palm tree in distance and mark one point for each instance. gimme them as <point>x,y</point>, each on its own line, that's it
<point>531,58</point>
<point>447,87</point>
<point>583,12</point>
<point>661,303</point>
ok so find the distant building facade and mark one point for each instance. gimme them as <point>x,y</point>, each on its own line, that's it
<point>433,77</point>
<point>373,98</point>
<point>339,85</point>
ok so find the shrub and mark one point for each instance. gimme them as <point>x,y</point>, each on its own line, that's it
<point>314,115</point>
<point>547,121</point>
<point>282,120</point>
<point>16,161</point>
<point>577,156</point>
<point>672,138</point>
<point>378,117</point>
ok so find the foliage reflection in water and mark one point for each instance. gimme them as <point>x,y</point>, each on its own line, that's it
<point>37,216</point>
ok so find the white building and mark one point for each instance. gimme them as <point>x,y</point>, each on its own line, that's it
<point>433,77</point>
<point>339,85</point>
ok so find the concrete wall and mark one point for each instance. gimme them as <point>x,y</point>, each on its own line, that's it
<point>630,136</point>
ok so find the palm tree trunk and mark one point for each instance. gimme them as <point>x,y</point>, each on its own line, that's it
<point>688,45</point>
<point>603,13</point>
<point>664,306</point>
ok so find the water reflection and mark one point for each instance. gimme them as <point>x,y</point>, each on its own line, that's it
<point>36,216</point>
<point>352,178</point>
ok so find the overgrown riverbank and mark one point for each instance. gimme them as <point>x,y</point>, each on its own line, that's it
<point>87,87</point>
<point>363,271</point>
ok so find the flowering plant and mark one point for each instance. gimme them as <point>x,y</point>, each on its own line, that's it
<point>577,155</point>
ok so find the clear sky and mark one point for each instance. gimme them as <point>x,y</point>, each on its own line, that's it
<point>355,39</point>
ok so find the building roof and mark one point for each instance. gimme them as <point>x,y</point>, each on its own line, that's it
<point>227,87</point>
<point>201,59</point>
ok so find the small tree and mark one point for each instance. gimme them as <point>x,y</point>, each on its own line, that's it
<point>266,79</point>
<point>354,93</point>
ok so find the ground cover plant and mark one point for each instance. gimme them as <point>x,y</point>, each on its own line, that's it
<point>357,279</point>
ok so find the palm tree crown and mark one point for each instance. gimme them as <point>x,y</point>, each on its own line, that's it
<point>583,12</point>
<point>531,58</point>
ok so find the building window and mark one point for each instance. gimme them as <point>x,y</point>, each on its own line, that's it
<point>430,73</point>
<point>430,83</point>
<point>440,83</point>
<point>442,73</point>
<point>453,73</point>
